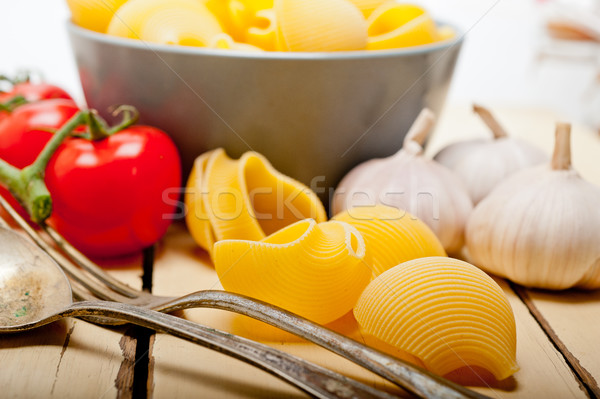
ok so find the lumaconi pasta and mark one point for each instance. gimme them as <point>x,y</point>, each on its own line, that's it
<point>263,32</point>
<point>244,199</point>
<point>315,270</point>
<point>93,14</point>
<point>395,25</point>
<point>237,16</point>
<point>184,22</point>
<point>319,25</point>
<point>392,236</point>
<point>368,6</point>
<point>272,25</point>
<point>444,311</point>
<point>224,41</point>
<point>196,216</point>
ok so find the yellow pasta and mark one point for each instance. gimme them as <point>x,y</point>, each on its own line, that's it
<point>393,236</point>
<point>93,14</point>
<point>224,41</point>
<point>319,25</point>
<point>367,6</point>
<point>446,33</point>
<point>315,270</point>
<point>395,25</point>
<point>244,199</point>
<point>196,216</point>
<point>446,312</point>
<point>237,16</point>
<point>263,32</point>
<point>184,22</point>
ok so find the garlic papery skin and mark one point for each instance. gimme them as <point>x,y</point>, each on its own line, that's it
<point>411,182</point>
<point>483,163</point>
<point>539,227</point>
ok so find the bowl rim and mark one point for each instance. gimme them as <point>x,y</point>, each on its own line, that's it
<point>74,29</point>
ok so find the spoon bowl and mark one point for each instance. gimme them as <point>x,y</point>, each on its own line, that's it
<point>30,290</point>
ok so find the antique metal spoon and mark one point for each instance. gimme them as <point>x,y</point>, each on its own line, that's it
<point>34,291</point>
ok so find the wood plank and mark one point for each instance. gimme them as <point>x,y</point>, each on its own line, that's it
<point>66,359</point>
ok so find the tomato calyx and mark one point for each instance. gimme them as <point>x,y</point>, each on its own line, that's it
<point>98,129</point>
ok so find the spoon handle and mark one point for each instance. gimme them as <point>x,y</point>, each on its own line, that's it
<point>310,378</point>
<point>414,379</point>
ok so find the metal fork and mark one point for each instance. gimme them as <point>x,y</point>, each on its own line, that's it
<point>90,282</point>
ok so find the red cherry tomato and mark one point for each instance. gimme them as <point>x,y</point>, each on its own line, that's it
<point>25,133</point>
<point>111,196</point>
<point>33,92</point>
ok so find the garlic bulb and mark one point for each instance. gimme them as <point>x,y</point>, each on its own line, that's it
<point>540,226</point>
<point>483,163</point>
<point>409,181</point>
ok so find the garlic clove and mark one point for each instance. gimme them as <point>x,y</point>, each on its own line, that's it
<point>482,164</point>
<point>539,227</point>
<point>409,181</point>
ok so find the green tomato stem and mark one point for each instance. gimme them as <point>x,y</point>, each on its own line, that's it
<point>13,103</point>
<point>99,129</point>
<point>130,117</point>
<point>27,184</point>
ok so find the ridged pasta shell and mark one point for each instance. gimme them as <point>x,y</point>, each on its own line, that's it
<point>315,270</point>
<point>393,236</point>
<point>245,199</point>
<point>93,14</point>
<point>395,25</point>
<point>196,216</point>
<point>444,311</point>
<point>184,22</point>
<point>368,6</point>
<point>237,16</point>
<point>319,25</point>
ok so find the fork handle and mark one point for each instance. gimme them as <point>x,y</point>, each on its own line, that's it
<point>316,381</point>
<point>415,380</point>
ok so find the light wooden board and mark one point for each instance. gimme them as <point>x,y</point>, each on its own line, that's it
<point>181,369</point>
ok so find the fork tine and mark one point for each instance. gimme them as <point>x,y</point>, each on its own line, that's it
<point>99,290</point>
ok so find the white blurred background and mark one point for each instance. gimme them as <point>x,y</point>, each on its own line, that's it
<point>508,59</point>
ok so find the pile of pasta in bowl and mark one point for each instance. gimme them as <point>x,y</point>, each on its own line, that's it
<point>264,25</point>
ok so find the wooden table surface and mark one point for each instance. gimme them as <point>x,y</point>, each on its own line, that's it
<point>558,333</point>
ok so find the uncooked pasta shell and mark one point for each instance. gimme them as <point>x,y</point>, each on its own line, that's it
<point>320,25</point>
<point>185,22</point>
<point>315,270</point>
<point>392,236</point>
<point>245,199</point>
<point>446,312</point>
<point>395,25</point>
<point>196,216</point>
